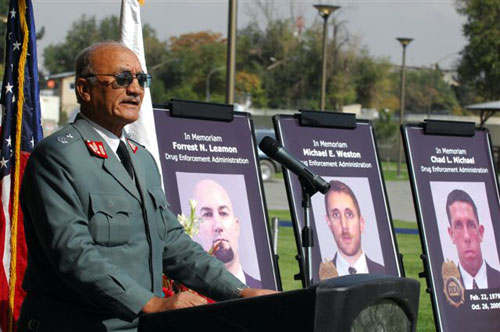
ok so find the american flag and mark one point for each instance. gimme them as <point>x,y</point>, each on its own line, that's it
<point>21,130</point>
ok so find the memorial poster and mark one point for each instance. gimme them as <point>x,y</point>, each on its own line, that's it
<point>456,195</point>
<point>351,223</point>
<point>210,170</point>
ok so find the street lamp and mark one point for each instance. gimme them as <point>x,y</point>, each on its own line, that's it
<point>324,11</point>
<point>231,52</point>
<point>207,87</point>
<point>404,42</point>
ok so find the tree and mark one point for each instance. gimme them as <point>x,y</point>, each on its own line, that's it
<point>372,80</point>
<point>84,32</point>
<point>190,60</point>
<point>249,85</point>
<point>4,11</point>
<point>426,91</point>
<point>386,129</point>
<point>87,30</point>
<point>479,67</point>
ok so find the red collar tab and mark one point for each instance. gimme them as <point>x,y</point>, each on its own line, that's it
<point>132,146</point>
<point>97,148</point>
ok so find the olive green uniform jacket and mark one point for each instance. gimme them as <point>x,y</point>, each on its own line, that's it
<point>98,242</point>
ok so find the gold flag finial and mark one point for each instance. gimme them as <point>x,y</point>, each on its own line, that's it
<point>141,2</point>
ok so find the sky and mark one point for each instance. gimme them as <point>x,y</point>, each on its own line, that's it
<point>434,24</point>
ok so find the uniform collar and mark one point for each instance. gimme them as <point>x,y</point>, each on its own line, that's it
<point>111,139</point>
<point>112,165</point>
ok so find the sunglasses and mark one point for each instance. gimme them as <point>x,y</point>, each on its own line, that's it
<point>125,78</point>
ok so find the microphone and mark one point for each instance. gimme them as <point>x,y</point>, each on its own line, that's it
<point>276,151</point>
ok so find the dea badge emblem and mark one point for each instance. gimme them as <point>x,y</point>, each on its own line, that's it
<point>453,288</point>
<point>327,270</point>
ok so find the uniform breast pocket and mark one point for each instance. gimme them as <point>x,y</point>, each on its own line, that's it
<point>161,210</point>
<point>109,224</point>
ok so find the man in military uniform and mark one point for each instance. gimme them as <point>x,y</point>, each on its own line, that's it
<point>97,223</point>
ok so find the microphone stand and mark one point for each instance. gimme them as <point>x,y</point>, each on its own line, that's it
<point>308,190</point>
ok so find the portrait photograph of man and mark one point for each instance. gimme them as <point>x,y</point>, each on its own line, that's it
<point>347,229</point>
<point>225,227</point>
<point>466,232</point>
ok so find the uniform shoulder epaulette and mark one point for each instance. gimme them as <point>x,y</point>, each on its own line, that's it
<point>66,138</point>
<point>63,137</point>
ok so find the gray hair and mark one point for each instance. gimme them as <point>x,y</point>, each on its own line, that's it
<point>83,63</point>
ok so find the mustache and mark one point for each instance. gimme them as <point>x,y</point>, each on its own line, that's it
<point>346,234</point>
<point>136,100</point>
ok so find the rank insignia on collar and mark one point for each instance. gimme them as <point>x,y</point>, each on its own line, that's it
<point>132,146</point>
<point>97,148</point>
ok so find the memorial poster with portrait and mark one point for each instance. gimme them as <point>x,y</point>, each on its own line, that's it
<point>455,191</point>
<point>211,176</point>
<point>351,223</point>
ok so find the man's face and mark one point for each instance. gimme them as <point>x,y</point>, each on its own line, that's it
<point>345,223</point>
<point>219,226</point>
<point>107,104</point>
<point>467,234</point>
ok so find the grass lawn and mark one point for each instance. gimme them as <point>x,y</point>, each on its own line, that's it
<point>408,244</point>
<point>390,170</point>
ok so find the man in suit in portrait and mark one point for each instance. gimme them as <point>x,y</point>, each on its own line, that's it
<point>97,224</point>
<point>467,233</point>
<point>344,219</point>
<point>220,228</point>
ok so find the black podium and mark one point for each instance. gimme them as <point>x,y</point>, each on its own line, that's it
<point>361,302</point>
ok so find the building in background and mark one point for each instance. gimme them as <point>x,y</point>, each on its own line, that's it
<point>50,108</point>
<point>63,86</point>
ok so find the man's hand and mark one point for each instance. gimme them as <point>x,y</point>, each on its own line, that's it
<point>251,292</point>
<point>177,301</point>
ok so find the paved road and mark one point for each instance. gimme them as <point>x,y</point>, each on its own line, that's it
<point>399,192</point>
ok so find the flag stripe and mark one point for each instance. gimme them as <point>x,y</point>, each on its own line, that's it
<point>5,247</point>
<point>21,252</point>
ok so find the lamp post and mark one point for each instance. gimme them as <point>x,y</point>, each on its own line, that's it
<point>404,42</point>
<point>324,11</point>
<point>231,52</point>
<point>207,87</point>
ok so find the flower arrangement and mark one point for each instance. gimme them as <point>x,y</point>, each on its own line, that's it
<point>191,226</point>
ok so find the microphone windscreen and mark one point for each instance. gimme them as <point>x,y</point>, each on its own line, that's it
<point>269,146</point>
